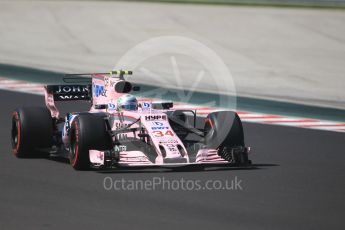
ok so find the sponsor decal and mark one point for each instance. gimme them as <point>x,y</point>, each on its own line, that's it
<point>120,148</point>
<point>146,105</point>
<point>168,141</point>
<point>65,89</point>
<point>157,123</point>
<point>99,90</point>
<point>159,128</point>
<point>121,136</point>
<point>72,97</point>
<point>155,117</point>
<point>112,107</point>
<point>172,149</point>
<point>121,125</point>
<point>106,81</point>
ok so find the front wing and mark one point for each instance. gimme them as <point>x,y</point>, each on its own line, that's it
<point>138,158</point>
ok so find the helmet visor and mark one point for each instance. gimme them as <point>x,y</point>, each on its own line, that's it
<point>129,107</point>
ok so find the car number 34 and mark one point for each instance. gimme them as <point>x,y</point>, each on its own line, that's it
<point>163,133</point>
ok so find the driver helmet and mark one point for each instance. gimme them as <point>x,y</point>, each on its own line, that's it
<point>127,102</point>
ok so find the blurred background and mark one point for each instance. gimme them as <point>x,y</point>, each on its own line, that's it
<point>277,51</point>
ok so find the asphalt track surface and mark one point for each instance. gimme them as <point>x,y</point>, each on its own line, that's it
<point>297,183</point>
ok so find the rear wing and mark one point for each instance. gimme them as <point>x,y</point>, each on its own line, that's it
<point>85,87</point>
<point>55,93</point>
<point>70,92</point>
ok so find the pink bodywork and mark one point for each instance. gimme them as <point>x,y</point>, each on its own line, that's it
<point>155,122</point>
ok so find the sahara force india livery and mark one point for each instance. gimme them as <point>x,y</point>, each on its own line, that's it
<point>120,130</point>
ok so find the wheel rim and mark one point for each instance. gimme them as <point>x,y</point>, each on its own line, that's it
<point>15,134</point>
<point>73,147</point>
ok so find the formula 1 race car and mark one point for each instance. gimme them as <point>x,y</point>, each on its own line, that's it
<point>120,130</point>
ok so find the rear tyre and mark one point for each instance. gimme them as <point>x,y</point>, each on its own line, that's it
<point>88,132</point>
<point>224,132</point>
<point>32,129</point>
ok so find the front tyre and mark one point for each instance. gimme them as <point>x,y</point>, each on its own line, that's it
<point>224,132</point>
<point>88,132</point>
<point>223,128</point>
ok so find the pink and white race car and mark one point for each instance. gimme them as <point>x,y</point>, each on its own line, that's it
<point>121,131</point>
